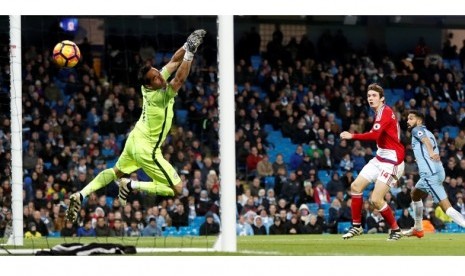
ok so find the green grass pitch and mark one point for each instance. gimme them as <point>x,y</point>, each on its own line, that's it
<point>288,245</point>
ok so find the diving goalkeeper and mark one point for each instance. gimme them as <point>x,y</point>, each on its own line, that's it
<point>143,145</point>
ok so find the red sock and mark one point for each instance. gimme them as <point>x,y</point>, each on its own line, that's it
<point>388,216</point>
<point>356,208</point>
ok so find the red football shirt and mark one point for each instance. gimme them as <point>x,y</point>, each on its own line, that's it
<point>386,133</point>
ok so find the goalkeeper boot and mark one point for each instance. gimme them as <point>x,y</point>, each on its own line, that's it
<point>124,190</point>
<point>75,201</point>
<point>412,232</point>
<point>353,231</point>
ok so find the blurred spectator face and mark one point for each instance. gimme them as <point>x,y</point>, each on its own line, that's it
<point>101,222</point>
<point>88,224</point>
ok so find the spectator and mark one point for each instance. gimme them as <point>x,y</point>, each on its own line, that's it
<point>209,227</point>
<point>322,221</point>
<point>460,206</point>
<point>86,230</point>
<point>436,222</point>
<point>69,230</point>
<point>258,227</point>
<point>179,217</point>
<point>296,158</point>
<point>278,227</point>
<point>411,167</point>
<point>405,221</point>
<point>243,228</point>
<point>32,232</point>
<point>304,214</point>
<point>291,188</point>
<point>133,229</point>
<point>345,213</point>
<point>294,226</point>
<point>306,194</point>
<point>334,185</point>
<point>252,160</point>
<point>320,194</point>
<point>39,223</point>
<point>346,163</point>
<point>118,229</point>
<point>404,198</point>
<point>313,227</point>
<point>152,229</point>
<point>279,163</point>
<point>264,167</point>
<point>375,223</point>
<point>102,229</point>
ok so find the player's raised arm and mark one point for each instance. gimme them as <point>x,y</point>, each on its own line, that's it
<point>191,45</point>
<point>195,38</point>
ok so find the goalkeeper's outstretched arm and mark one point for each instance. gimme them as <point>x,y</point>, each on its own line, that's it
<point>191,45</point>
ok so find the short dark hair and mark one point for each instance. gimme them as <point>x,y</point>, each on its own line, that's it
<point>142,75</point>
<point>376,87</point>
<point>417,114</point>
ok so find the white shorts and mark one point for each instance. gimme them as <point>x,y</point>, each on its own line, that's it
<point>385,172</point>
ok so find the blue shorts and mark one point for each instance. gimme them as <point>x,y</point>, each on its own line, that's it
<point>432,184</point>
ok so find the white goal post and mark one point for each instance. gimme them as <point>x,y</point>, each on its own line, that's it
<point>16,238</point>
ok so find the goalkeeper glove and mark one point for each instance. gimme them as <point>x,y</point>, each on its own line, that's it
<point>194,40</point>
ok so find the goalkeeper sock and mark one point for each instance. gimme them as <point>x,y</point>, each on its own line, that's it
<point>101,180</point>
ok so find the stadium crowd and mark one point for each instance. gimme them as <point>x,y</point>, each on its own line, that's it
<point>75,124</point>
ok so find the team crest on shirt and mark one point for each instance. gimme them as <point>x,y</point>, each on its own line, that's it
<point>420,133</point>
<point>376,126</point>
<point>175,175</point>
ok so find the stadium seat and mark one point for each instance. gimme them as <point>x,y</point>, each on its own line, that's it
<point>184,230</point>
<point>55,234</point>
<point>313,207</point>
<point>159,58</point>
<point>199,220</point>
<point>343,227</point>
<point>47,165</point>
<point>455,63</point>
<point>269,182</point>
<point>400,93</point>
<point>446,63</point>
<point>181,117</point>
<point>268,128</point>
<point>326,207</point>
<point>453,131</point>
<point>255,60</point>
<point>167,56</point>
<point>240,88</point>
<point>399,213</point>
<point>109,201</point>
<point>324,177</point>
<point>170,231</point>
<point>111,163</point>
<point>452,227</point>
<point>194,231</point>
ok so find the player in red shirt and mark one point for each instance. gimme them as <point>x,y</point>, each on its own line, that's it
<point>384,169</point>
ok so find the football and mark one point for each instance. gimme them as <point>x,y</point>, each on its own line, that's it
<point>66,54</point>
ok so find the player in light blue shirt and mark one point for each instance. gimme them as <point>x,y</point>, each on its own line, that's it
<point>432,174</point>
